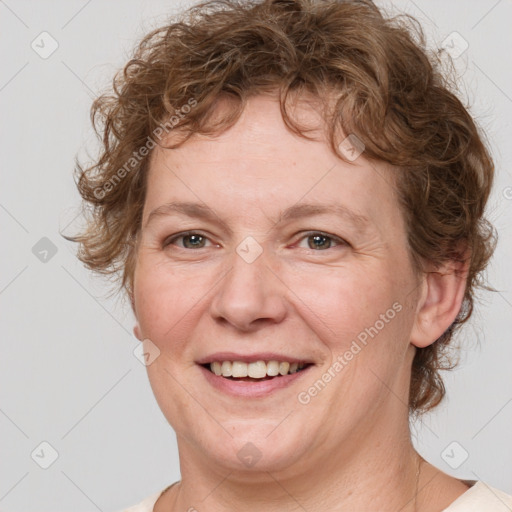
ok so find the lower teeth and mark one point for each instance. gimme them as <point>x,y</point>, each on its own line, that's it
<point>254,379</point>
<point>251,379</point>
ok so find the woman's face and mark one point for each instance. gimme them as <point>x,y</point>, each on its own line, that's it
<point>260,245</point>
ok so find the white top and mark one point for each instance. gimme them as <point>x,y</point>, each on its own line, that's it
<point>480,497</point>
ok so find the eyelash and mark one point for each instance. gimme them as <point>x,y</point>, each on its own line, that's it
<point>170,240</point>
<point>334,239</point>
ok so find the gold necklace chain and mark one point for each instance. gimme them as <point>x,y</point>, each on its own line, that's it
<point>420,460</point>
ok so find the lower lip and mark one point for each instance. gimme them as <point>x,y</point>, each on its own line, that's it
<point>254,389</point>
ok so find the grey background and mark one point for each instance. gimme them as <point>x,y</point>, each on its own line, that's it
<point>68,373</point>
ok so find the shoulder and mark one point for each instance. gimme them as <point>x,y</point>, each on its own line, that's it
<point>481,497</point>
<point>147,504</point>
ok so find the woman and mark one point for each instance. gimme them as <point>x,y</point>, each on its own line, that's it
<point>294,201</point>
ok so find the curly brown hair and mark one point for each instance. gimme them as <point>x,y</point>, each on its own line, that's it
<point>388,90</point>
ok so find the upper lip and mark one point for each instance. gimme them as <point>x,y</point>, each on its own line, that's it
<point>250,358</point>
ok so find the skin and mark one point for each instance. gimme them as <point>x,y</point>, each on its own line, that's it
<point>349,448</point>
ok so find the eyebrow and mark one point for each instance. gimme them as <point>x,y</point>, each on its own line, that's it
<point>193,210</point>
<point>297,211</point>
<point>305,210</point>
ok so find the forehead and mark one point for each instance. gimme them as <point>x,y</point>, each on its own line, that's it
<point>260,164</point>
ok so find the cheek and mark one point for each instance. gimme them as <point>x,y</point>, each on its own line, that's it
<point>342,302</point>
<point>168,300</point>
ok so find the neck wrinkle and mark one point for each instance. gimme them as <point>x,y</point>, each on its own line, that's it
<point>340,483</point>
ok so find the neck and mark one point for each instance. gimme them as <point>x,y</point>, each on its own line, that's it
<point>372,470</point>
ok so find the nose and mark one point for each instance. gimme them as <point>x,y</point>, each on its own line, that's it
<point>250,296</point>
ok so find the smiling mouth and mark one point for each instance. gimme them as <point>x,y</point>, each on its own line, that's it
<point>255,371</point>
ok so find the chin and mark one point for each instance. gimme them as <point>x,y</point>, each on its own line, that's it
<point>256,447</point>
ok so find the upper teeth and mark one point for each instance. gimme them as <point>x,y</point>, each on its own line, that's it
<point>256,370</point>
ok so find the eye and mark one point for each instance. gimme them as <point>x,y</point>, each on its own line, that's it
<point>320,241</point>
<point>190,240</point>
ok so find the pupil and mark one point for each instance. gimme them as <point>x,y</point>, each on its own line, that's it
<point>319,242</point>
<point>193,241</point>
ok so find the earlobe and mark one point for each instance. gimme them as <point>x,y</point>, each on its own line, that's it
<point>136,332</point>
<point>136,328</point>
<point>439,304</point>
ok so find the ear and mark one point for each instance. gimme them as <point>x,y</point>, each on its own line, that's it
<point>136,332</point>
<point>440,302</point>
<point>136,327</point>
